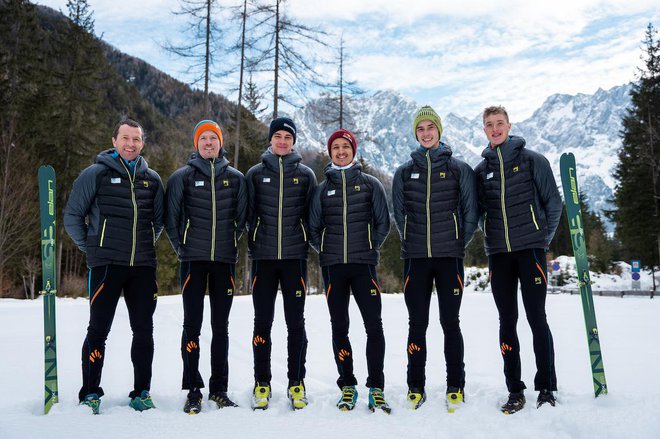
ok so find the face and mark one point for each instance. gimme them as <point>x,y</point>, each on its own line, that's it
<point>128,142</point>
<point>341,152</point>
<point>281,143</point>
<point>427,134</point>
<point>208,145</point>
<point>496,128</point>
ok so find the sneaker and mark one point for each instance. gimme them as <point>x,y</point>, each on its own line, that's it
<point>260,396</point>
<point>377,400</point>
<point>348,398</point>
<point>142,402</point>
<point>297,395</point>
<point>193,404</point>
<point>455,398</point>
<point>93,402</point>
<point>416,397</point>
<point>546,396</point>
<point>515,403</point>
<point>222,400</point>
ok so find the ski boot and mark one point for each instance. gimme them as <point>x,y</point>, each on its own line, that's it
<point>296,394</point>
<point>546,397</point>
<point>93,401</point>
<point>416,397</point>
<point>454,399</point>
<point>348,398</point>
<point>377,400</point>
<point>142,402</point>
<point>260,396</point>
<point>515,403</point>
<point>222,400</point>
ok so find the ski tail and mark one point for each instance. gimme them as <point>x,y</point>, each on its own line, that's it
<point>49,282</point>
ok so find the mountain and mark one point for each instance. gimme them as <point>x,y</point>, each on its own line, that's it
<point>588,125</point>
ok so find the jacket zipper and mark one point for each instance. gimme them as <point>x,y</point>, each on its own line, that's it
<point>405,226</point>
<point>455,224</point>
<point>343,182</point>
<point>428,203</point>
<point>302,226</point>
<point>279,213</point>
<point>503,200</point>
<point>185,233</point>
<point>322,239</point>
<point>254,235</point>
<point>531,209</point>
<point>213,212</point>
<point>103,232</point>
<point>369,236</point>
<point>131,179</point>
<point>153,233</point>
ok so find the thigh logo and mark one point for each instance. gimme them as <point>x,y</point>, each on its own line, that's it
<point>538,280</point>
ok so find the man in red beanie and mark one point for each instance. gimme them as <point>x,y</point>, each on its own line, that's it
<point>349,221</point>
<point>205,212</point>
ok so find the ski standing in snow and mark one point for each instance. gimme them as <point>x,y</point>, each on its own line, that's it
<point>115,215</point>
<point>519,208</point>
<point>435,209</point>
<point>205,210</point>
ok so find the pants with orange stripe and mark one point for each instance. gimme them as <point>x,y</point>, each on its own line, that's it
<point>195,278</point>
<point>419,274</point>
<point>105,286</point>
<point>528,266</point>
<point>340,280</point>
<point>291,276</point>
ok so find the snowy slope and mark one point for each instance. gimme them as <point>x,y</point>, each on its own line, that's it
<point>627,326</point>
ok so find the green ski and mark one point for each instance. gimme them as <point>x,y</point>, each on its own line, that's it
<point>49,273</point>
<point>571,197</point>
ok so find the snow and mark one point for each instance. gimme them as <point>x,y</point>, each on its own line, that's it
<point>628,327</point>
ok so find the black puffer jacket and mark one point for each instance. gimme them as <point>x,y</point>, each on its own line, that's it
<point>279,191</point>
<point>114,216</point>
<point>349,219</point>
<point>205,210</point>
<point>529,216</point>
<point>435,212</point>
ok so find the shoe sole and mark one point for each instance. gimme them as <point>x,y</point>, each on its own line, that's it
<point>387,410</point>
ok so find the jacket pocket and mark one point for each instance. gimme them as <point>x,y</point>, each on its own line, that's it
<point>455,223</point>
<point>369,236</point>
<point>302,227</point>
<point>185,232</point>
<point>254,235</point>
<point>531,209</point>
<point>153,234</point>
<point>322,239</point>
<point>405,226</point>
<point>105,220</point>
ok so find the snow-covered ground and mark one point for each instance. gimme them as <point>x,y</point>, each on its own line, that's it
<point>629,328</point>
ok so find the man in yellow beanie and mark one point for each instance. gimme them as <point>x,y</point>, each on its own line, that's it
<point>204,216</point>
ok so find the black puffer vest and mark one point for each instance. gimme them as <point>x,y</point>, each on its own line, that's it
<point>432,222</point>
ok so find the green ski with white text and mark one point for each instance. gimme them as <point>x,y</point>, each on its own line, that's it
<point>49,289</point>
<point>572,199</point>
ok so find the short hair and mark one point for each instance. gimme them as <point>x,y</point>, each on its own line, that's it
<point>495,109</point>
<point>130,123</point>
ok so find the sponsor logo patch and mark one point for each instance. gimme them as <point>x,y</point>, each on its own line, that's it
<point>414,175</point>
<point>199,183</point>
<point>442,175</point>
<point>331,193</point>
<point>266,180</point>
<point>489,176</point>
<point>115,180</point>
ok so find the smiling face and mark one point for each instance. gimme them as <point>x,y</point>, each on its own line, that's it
<point>128,142</point>
<point>427,134</point>
<point>341,152</point>
<point>209,145</point>
<point>281,143</point>
<point>497,127</point>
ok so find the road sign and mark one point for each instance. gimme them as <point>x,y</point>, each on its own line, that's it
<point>635,275</point>
<point>555,266</point>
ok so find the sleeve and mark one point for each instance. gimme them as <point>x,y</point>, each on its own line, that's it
<point>381,213</point>
<point>159,207</point>
<point>481,198</point>
<point>316,218</point>
<point>78,206</point>
<point>469,202</point>
<point>398,202</point>
<point>174,207</point>
<point>311,191</point>
<point>546,187</point>
<point>241,204</point>
<point>251,214</point>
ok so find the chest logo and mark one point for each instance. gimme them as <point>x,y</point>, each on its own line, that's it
<point>489,176</point>
<point>331,193</point>
<point>515,169</point>
<point>225,183</point>
<point>414,175</point>
<point>442,175</point>
<point>115,180</point>
<point>295,180</point>
<point>199,183</point>
<point>266,180</point>
<point>145,183</point>
<point>357,188</point>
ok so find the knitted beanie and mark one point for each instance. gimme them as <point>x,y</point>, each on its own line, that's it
<point>426,113</point>
<point>344,134</point>
<point>206,125</point>
<point>282,124</point>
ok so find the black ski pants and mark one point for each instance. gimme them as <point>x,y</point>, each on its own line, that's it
<point>340,280</point>
<point>528,266</point>
<point>195,278</point>
<point>419,274</point>
<point>291,276</point>
<point>105,286</point>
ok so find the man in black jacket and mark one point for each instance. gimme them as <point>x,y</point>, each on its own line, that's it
<point>115,215</point>
<point>435,208</point>
<point>204,218</point>
<point>279,191</point>
<point>519,207</point>
<point>349,221</point>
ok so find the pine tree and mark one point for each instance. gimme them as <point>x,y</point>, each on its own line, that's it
<point>637,216</point>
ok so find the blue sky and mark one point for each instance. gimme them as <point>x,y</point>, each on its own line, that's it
<point>456,56</point>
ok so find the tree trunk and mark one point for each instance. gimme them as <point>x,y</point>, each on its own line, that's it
<point>240,89</point>
<point>277,58</point>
